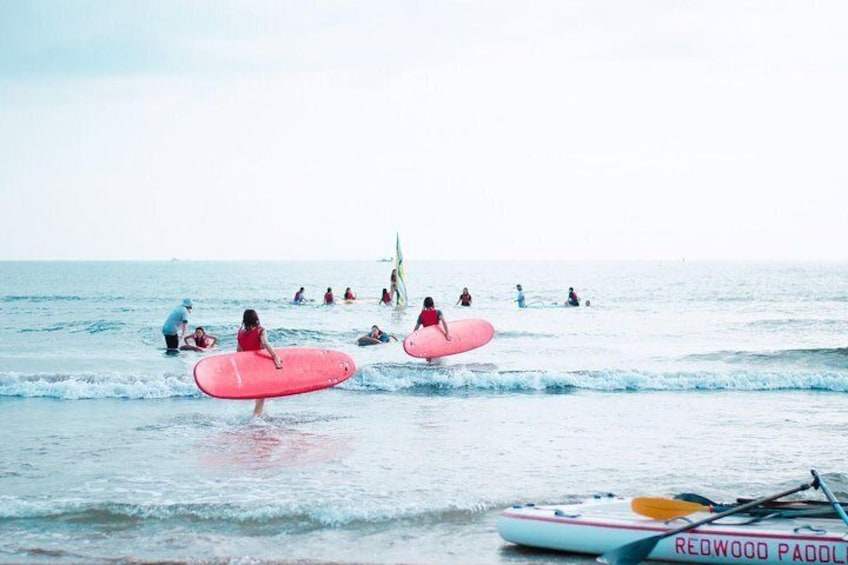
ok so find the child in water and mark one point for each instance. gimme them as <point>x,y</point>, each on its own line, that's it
<point>573,299</point>
<point>202,341</point>
<point>464,298</point>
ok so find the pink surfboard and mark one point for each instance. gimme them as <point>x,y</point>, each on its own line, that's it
<point>430,342</point>
<point>251,374</point>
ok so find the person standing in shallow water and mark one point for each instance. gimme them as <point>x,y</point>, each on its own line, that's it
<point>573,299</point>
<point>464,298</point>
<point>253,337</point>
<point>393,287</point>
<point>175,326</point>
<point>520,297</point>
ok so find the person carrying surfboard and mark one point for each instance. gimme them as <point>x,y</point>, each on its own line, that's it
<point>253,337</point>
<point>429,316</point>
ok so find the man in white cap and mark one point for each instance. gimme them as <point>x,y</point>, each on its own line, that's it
<point>175,326</point>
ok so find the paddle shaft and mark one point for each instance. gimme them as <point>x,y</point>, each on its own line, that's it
<point>734,510</point>
<point>826,490</point>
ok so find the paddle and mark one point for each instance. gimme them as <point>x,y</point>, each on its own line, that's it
<point>819,483</point>
<point>665,508</point>
<point>637,551</point>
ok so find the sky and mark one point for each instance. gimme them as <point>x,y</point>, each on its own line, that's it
<point>568,130</point>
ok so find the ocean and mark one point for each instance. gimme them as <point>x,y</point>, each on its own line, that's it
<point>725,379</point>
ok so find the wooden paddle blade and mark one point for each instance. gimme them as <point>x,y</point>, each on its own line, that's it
<point>665,508</point>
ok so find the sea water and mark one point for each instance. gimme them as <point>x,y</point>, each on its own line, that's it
<point>726,379</point>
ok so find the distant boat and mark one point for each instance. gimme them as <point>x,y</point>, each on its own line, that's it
<point>386,260</point>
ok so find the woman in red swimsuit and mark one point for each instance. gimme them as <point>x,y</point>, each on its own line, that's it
<point>253,337</point>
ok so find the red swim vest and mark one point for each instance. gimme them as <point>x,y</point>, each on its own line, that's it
<point>249,340</point>
<point>429,317</point>
<point>328,298</point>
<point>202,342</point>
<point>387,298</point>
<point>349,295</point>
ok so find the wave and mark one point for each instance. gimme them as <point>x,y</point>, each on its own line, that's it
<point>832,324</point>
<point>40,298</point>
<point>521,334</point>
<point>85,386</point>
<point>415,378</point>
<point>485,377</point>
<point>92,327</point>
<point>278,516</point>
<point>835,358</point>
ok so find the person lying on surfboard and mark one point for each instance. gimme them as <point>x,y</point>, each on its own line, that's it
<point>429,316</point>
<point>349,295</point>
<point>253,337</point>
<point>375,336</point>
<point>202,341</point>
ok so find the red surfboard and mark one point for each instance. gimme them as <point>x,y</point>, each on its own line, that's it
<point>251,374</point>
<point>430,342</point>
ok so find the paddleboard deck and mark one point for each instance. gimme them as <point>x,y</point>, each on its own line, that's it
<point>251,374</point>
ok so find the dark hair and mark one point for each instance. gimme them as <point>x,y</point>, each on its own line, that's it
<point>250,319</point>
<point>428,302</point>
<point>329,289</point>
<point>200,328</point>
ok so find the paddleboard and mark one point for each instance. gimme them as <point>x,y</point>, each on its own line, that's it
<point>367,340</point>
<point>430,342</point>
<point>251,374</point>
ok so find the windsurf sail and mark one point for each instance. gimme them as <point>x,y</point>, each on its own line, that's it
<point>400,291</point>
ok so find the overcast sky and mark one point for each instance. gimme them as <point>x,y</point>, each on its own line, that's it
<point>478,130</point>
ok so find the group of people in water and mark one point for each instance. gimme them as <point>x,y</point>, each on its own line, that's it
<point>571,300</point>
<point>253,337</point>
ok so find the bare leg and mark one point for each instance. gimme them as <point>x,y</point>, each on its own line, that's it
<point>260,404</point>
